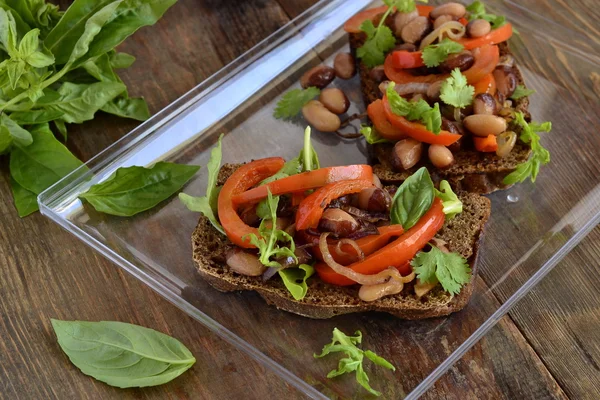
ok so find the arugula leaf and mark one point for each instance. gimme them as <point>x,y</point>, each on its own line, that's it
<point>455,91</point>
<point>354,358</point>
<point>25,201</point>
<point>379,41</point>
<point>294,279</point>
<point>435,54</point>
<point>477,11</point>
<point>122,355</point>
<point>269,235</point>
<point>412,199</point>
<point>291,103</point>
<point>520,92</point>
<point>415,110</point>
<point>43,163</point>
<point>540,156</point>
<point>450,269</point>
<point>371,135</point>
<point>450,201</point>
<point>207,205</point>
<point>131,190</point>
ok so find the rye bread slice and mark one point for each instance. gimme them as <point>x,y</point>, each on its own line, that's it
<point>472,171</point>
<point>463,235</point>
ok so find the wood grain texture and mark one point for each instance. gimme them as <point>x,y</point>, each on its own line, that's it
<point>547,349</point>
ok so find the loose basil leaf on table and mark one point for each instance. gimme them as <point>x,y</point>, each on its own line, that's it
<point>126,107</point>
<point>43,163</point>
<point>132,190</point>
<point>412,199</point>
<point>121,354</point>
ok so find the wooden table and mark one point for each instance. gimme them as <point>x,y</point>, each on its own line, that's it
<point>548,347</point>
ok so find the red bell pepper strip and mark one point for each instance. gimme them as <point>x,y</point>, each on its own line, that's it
<point>243,178</point>
<point>381,123</point>
<point>487,144</point>
<point>305,181</point>
<point>399,253</point>
<point>486,85</point>
<point>486,59</point>
<point>496,36</point>
<point>403,59</point>
<point>311,209</point>
<point>354,23</point>
<point>401,76</point>
<point>463,21</point>
<point>368,244</point>
<point>416,130</point>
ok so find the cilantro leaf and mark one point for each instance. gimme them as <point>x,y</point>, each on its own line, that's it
<point>540,156</point>
<point>294,279</point>
<point>415,110</point>
<point>477,11</point>
<point>353,362</point>
<point>403,6</point>
<point>450,201</point>
<point>520,92</point>
<point>379,41</point>
<point>371,135</point>
<point>207,205</point>
<point>435,54</point>
<point>291,103</point>
<point>455,91</point>
<point>450,269</point>
<point>269,236</point>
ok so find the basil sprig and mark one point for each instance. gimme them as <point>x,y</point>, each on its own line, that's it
<point>122,355</point>
<point>412,199</point>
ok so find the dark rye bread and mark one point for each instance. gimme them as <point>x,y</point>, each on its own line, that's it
<point>462,234</point>
<point>472,171</point>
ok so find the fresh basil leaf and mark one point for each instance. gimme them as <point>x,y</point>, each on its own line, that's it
<point>8,32</point>
<point>62,128</point>
<point>15,69</point>
<point>121,60</point>
<point>132,190</point>
<point>29,43</point>
<point>294,279</point>
<point>35,117</point>
<point>21,27</point>
<point>25,201</point>
<point>43,163</point>
<point>37,13</point>
<point>126,107</point>
<point>412,199</point>
<point>101,69</point>
<point>122,355</point>
<point>17,135</point>
<point>79,103</point>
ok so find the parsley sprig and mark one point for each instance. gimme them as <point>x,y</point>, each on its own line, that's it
<point>451,270</point>
<point>455,91</point>
<point>477,11</point>
<point>540,156</point>
<point>353,362</point>
<point>380,38</point>
<point>415,110</point>
<point>435,54</point>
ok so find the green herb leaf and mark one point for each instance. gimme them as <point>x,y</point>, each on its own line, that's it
<point>540,156</point>
<point>371,135</point>
<point>35,117</point>
<point>450,201</point>
<point>403,6</point>
<point>269,236</point>
<point>379,41</point>
<point>12,133</point>
<point>435,54</point>
<point>122,355</point>
<point>132,190</point>
<point>455,91</point>
<point>294,279</point>
<point>412,199</point>
<point>43,163</point>
<point>415,110</point>
<point>450,269</point>
<point>291,103</point>
<point>79,103</point>
<point>126,107</point>
<point>353,362</point>
<point>520,92</point>
<point>8,32</point>
<point>121,60</point>
<point>25,201</point>
<point>207,205</point>
<point>62,128</point>
<point>477,11</point>
<point>101,69</point>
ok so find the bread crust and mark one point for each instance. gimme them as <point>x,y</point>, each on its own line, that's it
<point>463,235</point>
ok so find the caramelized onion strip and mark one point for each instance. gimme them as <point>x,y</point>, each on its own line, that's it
<point>453,29</point>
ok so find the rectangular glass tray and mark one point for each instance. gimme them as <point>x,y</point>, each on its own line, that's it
<point>531,229</point>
